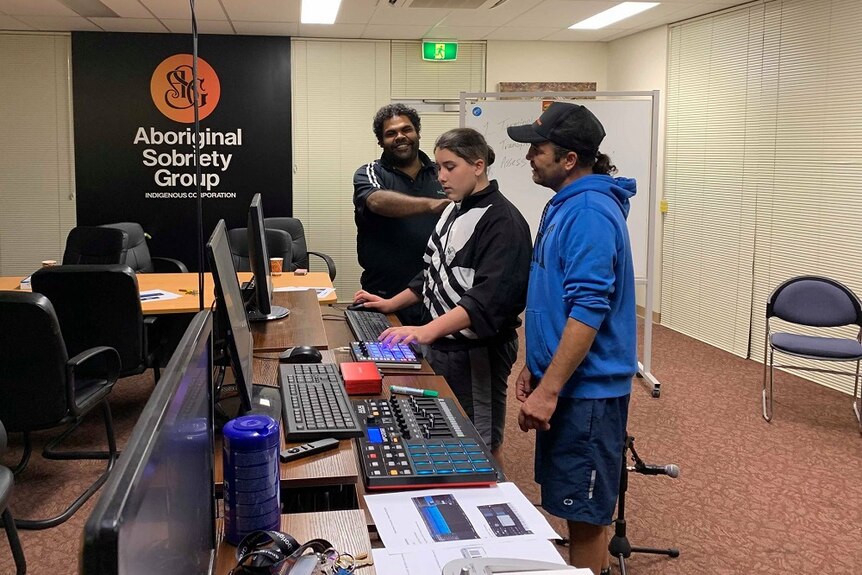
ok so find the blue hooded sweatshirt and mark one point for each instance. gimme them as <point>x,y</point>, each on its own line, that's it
<point>582,269</point>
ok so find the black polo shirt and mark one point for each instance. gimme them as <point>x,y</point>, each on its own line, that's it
<point>390,249</point>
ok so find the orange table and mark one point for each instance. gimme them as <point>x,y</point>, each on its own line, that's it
<point>184,283</point>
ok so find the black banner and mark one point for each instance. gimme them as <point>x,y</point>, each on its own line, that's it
<point>134,132</point>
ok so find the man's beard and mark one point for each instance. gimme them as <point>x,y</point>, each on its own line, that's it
<point>399,161</point>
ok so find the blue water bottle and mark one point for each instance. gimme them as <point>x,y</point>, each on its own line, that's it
<point>251,476</point>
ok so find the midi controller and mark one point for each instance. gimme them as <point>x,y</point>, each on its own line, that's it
<point>418,442</point>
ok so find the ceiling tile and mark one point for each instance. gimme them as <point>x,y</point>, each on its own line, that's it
<point>356,11</point>
<point>394,32</point>
<point>130,25</point>
<point>263,10</point>
<point>267,28</point>
<point>562,13</point>
<point>60,23</point>
<point>204,26</point>
<point>520,33</point>
<point>127,8</point>
<point>460,32</point>
<point>331,30</point>
<point>35,8</point>
<point>179,9</point>
<point>490,17</point>
<point>10,23</point>
<point>395,16</point>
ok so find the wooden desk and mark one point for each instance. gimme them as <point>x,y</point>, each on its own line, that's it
<point>344,529</point>
<point>304,325</point>
<point>336,467</point>
<point>190,303</point>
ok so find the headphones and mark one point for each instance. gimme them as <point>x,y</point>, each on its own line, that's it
<point>272,553</point>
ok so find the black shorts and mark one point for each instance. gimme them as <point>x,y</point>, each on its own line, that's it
<point>479,379</point>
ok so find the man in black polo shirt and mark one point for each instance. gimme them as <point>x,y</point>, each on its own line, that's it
<point>397,202</point>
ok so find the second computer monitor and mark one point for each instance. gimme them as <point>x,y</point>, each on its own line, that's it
<point>252,398</point>
<point>261,308</point>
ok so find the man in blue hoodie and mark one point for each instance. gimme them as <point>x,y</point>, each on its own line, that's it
<point>580,327</point>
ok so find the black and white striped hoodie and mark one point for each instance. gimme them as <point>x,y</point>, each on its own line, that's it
<point>478,257</point>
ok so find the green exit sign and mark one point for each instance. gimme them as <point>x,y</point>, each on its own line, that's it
<point>439,51</point>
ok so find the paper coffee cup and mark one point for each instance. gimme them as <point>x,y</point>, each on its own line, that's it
<point>275,265</point>
<point>48,263</point>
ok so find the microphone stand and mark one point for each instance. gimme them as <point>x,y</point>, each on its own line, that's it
<point>619,546</point>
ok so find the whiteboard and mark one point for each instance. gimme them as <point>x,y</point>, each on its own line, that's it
<point>628,142</point>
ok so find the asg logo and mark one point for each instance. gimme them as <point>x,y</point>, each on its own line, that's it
<point>173,92</point>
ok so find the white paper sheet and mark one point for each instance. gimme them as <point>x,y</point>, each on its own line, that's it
<point>430,560</point>
<point>455,517</point>
<point>322,292</point>
<point>158,295</point>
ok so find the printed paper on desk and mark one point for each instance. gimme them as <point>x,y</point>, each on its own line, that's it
<point>158,295</point>
<point>452,517</point>
<point>322,292</point>
<point>430,561</point>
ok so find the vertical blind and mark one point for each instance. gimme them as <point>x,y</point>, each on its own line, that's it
<point>37,206</point>
<point>780,81</point>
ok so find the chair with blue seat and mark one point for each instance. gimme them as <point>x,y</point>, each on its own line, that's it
<point>812,301</point>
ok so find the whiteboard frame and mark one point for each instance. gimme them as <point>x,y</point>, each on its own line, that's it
<point>645,365</point>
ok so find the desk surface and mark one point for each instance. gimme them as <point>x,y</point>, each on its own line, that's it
<point>303,326</point>
<point>188,303</point>
<point>346,531</point>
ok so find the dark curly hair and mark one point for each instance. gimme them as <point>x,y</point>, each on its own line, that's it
<point>390,111</point>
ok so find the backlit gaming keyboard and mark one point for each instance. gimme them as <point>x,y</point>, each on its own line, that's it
<point>397,355</point>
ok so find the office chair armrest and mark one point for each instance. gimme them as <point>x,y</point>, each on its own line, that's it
<point>149,322</point>
<point>168,266</point>
<point>110,367</point>
<point>330,265</point>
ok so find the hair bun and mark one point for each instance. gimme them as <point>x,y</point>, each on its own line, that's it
<point>491,155</point>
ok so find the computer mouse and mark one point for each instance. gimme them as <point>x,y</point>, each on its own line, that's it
<point>300,354</point>
<point>356,307</point>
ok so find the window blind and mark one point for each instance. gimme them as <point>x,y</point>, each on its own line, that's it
<point>415,78</point>
<point>337,88</point>
<point>764,163</point>
<point>36,156</point>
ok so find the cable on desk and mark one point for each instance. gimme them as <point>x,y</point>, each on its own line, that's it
<point>265,357</point>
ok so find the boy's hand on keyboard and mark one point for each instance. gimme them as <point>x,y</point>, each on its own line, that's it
<point>406,334</point>
<point>370,301</point>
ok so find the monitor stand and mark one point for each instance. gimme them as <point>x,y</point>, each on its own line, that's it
<point>276,312</point>
<point>265,400</point>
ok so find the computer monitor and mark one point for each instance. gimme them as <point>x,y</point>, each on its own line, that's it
<point>250,398</point>
<point>260,307</point>
<point>156,513</point>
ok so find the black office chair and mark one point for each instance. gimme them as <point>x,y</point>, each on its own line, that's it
<point>301,252</point>
<point>815,302</point>
<point>94,245</point>
<point>278,245</point>
<point>137,254</point>
<point>101,305</point>
<point>6,481</point>
<point>41,387</point>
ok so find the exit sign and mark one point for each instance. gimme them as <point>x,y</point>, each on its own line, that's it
<point>439,51</point>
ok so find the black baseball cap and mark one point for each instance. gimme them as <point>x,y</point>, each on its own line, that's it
<point>570,126</point>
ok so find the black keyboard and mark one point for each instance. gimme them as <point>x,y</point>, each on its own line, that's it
<point>366,325</point>
<point>314,403</point>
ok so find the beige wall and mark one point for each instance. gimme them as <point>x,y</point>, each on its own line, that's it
<point>637,63</point>
<point>546,62</point>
